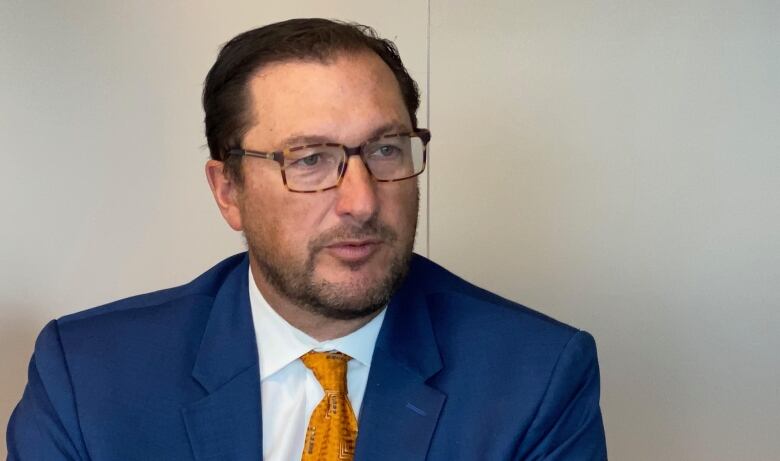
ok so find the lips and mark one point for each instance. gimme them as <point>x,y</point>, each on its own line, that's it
<point>353,251</point>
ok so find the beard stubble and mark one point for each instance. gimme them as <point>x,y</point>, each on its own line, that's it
<point>297,280</point>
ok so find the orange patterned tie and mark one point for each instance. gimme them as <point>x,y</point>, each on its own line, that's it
<point>332,430</point>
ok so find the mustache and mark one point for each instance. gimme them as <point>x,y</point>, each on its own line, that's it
<point>372,229</point>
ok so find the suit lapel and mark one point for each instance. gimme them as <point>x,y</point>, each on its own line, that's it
<point>226,423</point>
<point>400,411</point>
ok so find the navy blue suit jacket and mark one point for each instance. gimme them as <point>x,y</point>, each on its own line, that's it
<point>457,374</point>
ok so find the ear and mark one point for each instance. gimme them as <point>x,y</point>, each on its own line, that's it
<point>226,193</point>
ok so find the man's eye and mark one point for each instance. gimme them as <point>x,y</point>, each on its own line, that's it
<point>385,151</point>
<point>309,160</point>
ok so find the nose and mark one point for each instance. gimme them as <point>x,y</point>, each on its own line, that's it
<point>357,197</point>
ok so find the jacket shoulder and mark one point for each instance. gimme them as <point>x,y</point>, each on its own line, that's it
<point>205,285</point>
<point>461,301</point>
<point>542,374</point>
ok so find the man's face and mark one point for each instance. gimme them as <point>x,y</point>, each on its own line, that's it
<point>341,252</point>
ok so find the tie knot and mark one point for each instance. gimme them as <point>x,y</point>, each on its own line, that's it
<point>330,369</point>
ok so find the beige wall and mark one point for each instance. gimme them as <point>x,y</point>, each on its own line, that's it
<point>613,164</point>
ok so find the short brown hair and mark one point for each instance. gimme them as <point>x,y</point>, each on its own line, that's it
<point>225,93</point>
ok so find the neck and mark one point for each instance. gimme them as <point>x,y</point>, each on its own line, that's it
<point>313,324</point>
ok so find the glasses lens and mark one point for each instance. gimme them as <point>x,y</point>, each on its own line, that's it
<point>395,157</point>
<point>312,168</point>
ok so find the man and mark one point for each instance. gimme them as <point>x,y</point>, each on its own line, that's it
<point>328,339</point>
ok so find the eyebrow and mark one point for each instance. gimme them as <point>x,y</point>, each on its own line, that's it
<point>304,139</point>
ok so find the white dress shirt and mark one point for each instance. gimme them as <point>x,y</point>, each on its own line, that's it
<point>289,390</point>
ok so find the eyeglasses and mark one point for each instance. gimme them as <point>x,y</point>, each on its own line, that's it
<point>318,167</point>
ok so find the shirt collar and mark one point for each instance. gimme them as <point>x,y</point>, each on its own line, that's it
<point>280,343</point>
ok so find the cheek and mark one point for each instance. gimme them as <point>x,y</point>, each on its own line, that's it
<point>261,207</point>
<point>286,221</point>
<point>401,206</point>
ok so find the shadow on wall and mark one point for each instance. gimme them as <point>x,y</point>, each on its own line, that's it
<point>18,331</point>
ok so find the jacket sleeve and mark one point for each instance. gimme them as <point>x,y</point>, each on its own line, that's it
<point>44,425</point>
<point>568,424</point>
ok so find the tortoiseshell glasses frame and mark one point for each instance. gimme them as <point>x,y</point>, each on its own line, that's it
<point>321,166</point>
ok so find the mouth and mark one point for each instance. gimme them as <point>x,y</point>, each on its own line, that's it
<point>353,251</point>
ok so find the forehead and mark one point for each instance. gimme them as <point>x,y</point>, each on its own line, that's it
<point>344,98</point>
